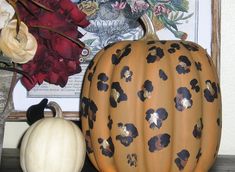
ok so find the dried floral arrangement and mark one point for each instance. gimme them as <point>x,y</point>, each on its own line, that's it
<point>40,39</point>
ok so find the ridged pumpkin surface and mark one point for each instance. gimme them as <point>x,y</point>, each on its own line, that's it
<point>52,145</point>
<point>151,106</point>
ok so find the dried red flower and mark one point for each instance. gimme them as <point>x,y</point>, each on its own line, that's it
<point>57,57</point>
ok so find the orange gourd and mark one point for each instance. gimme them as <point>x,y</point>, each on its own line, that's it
<point>151,106</point>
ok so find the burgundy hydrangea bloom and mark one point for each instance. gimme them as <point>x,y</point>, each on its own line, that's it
<point>57,57</point>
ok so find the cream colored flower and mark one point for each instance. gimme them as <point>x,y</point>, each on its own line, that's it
<point>21,47</point>
<point>6,13</point>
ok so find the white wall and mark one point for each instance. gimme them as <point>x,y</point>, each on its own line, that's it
<point>15,130</point>
<point>228,76</point>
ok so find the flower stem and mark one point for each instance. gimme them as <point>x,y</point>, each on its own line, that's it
<point>177,34</point>
<point>15,70</point>
<point>78,42</point>
<point>13,4</point>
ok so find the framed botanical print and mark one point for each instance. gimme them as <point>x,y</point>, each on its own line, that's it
<point>116,20</point>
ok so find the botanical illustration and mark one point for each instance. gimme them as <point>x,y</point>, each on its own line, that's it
<point>115,20</point>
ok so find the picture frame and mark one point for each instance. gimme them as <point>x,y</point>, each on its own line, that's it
<point>71,110</point>
<point>216,33</point>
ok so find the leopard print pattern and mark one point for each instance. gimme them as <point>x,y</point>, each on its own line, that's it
<point>190,66</point>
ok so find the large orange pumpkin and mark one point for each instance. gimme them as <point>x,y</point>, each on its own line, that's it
<point>151,106</point>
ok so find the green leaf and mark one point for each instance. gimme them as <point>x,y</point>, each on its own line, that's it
<point>169,22</point>
<point>149,12</point>
<point>160,18</point>
<point>179,17</point>
<point>180,8</point>
<point>182,5</point>
<point>152,2</point>
<point>178,23</point>
<point>188,16</point>
<point>171,16</point>
<point>176,15</point>
<point>170,6</point>
<point>182,17</point>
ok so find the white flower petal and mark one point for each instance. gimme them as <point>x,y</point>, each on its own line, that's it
<point>6,13</point>
<point>19,48</point>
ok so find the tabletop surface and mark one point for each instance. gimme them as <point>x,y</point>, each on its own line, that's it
<point>10,163</point>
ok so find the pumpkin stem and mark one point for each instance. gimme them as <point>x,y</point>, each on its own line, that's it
<point>55,108</point>
<point>150,32</point>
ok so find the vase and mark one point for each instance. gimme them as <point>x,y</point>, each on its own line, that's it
<point>6,102</point>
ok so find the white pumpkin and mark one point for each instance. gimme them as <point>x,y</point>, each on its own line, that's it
<point>53,145</point>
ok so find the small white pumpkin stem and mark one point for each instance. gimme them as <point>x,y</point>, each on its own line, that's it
<point>55,108</point>
<point>150,31</point>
